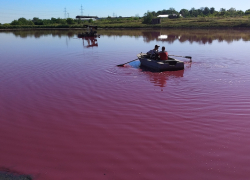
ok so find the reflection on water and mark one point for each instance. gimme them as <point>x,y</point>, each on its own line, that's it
<point>91,42</point>
<point>201,36</point>
<point>42,33</point>
<point>163,37</point>
<point>160,79</point>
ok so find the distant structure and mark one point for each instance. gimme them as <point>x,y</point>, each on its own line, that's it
<point>97,18</point>
<point>65,13</point>
<point>86,17</point>
<point>163,16</point>
<point>168,15</point>
<point>81,11</point>
<point>156,21</point>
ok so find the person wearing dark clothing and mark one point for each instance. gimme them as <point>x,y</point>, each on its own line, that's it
<point>153,52</point>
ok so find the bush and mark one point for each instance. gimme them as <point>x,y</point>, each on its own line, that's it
<point>37,21</point>
<point>70,21</point>
<point>15,22</point>
<point>22,21</point>
<point>147,18</point>
<point>173,16</point>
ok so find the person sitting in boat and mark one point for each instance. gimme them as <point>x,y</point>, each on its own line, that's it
<point>91,31</point>
<point>154,52</point>
<point>163,54</point>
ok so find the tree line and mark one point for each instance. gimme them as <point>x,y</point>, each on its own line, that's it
<point>211,12</point>
<point>70,21</point>
<point>52,21</point>
<point>147,18</point>
<point>202,12</point>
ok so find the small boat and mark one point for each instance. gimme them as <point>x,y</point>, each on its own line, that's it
<point>91,33</point>
<point>86,34</point>
<point>160,65</point>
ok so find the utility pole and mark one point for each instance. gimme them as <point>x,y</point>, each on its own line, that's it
<point>65,13</point>
<point>81,10</point>
<point>68,15</point>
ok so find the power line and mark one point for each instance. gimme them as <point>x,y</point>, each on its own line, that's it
<point>28,10</point>
<point>28,13</point>
<point>65,13</point>
<point>82,10</point>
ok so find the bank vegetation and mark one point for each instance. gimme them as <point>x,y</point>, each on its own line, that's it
<point>193,18</point>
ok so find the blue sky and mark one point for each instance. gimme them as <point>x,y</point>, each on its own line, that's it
<point>14,9</point>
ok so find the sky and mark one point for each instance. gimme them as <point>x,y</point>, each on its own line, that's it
<point>14,9</point>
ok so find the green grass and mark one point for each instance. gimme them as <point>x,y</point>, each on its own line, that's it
<point>199,22</point>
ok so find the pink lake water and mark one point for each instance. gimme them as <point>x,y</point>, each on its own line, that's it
<point>68,112</point>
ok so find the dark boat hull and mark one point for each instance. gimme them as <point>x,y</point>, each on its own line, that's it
<point>87,35</point>
<point>167,65</point>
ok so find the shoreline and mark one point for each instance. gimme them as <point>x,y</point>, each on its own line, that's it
<point>13,175</point>
<point>165,23</point>
<point>130,28</point>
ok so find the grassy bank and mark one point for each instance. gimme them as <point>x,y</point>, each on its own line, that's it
<point>202,22</point>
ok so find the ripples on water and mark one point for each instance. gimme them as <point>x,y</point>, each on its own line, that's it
<point>68,111</point>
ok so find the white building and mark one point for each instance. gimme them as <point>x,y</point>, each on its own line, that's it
<point>163,16</point>
<point>167,15</point>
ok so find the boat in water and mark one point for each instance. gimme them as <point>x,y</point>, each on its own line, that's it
<point>160,65</point>
<point>91,32</point>
<point>86,34</point>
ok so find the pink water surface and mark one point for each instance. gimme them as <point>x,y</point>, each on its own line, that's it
<point>68,112</point>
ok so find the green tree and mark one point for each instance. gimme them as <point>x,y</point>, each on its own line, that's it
<point>22,21</point>
<point>212,10</point>
<point>222,11</point>
<point>240,13</point>
<point>247,12</point>
<point>53,20</point>
<point>15,22</point>
<point>206,11</point>
<point>30,23</point>
<point>70,21</point>
<point>90,20</point>
<point>200,13</point>
<point>166,12</point>
<point>162,12</point>
<point>193,12</point>
<point>61,21</point>
<point>231,12</point>
<point>184,12</point>
<point>172,11</point>
<point>37,21</point>
<point>147,18</point>
<point>154,13</point>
